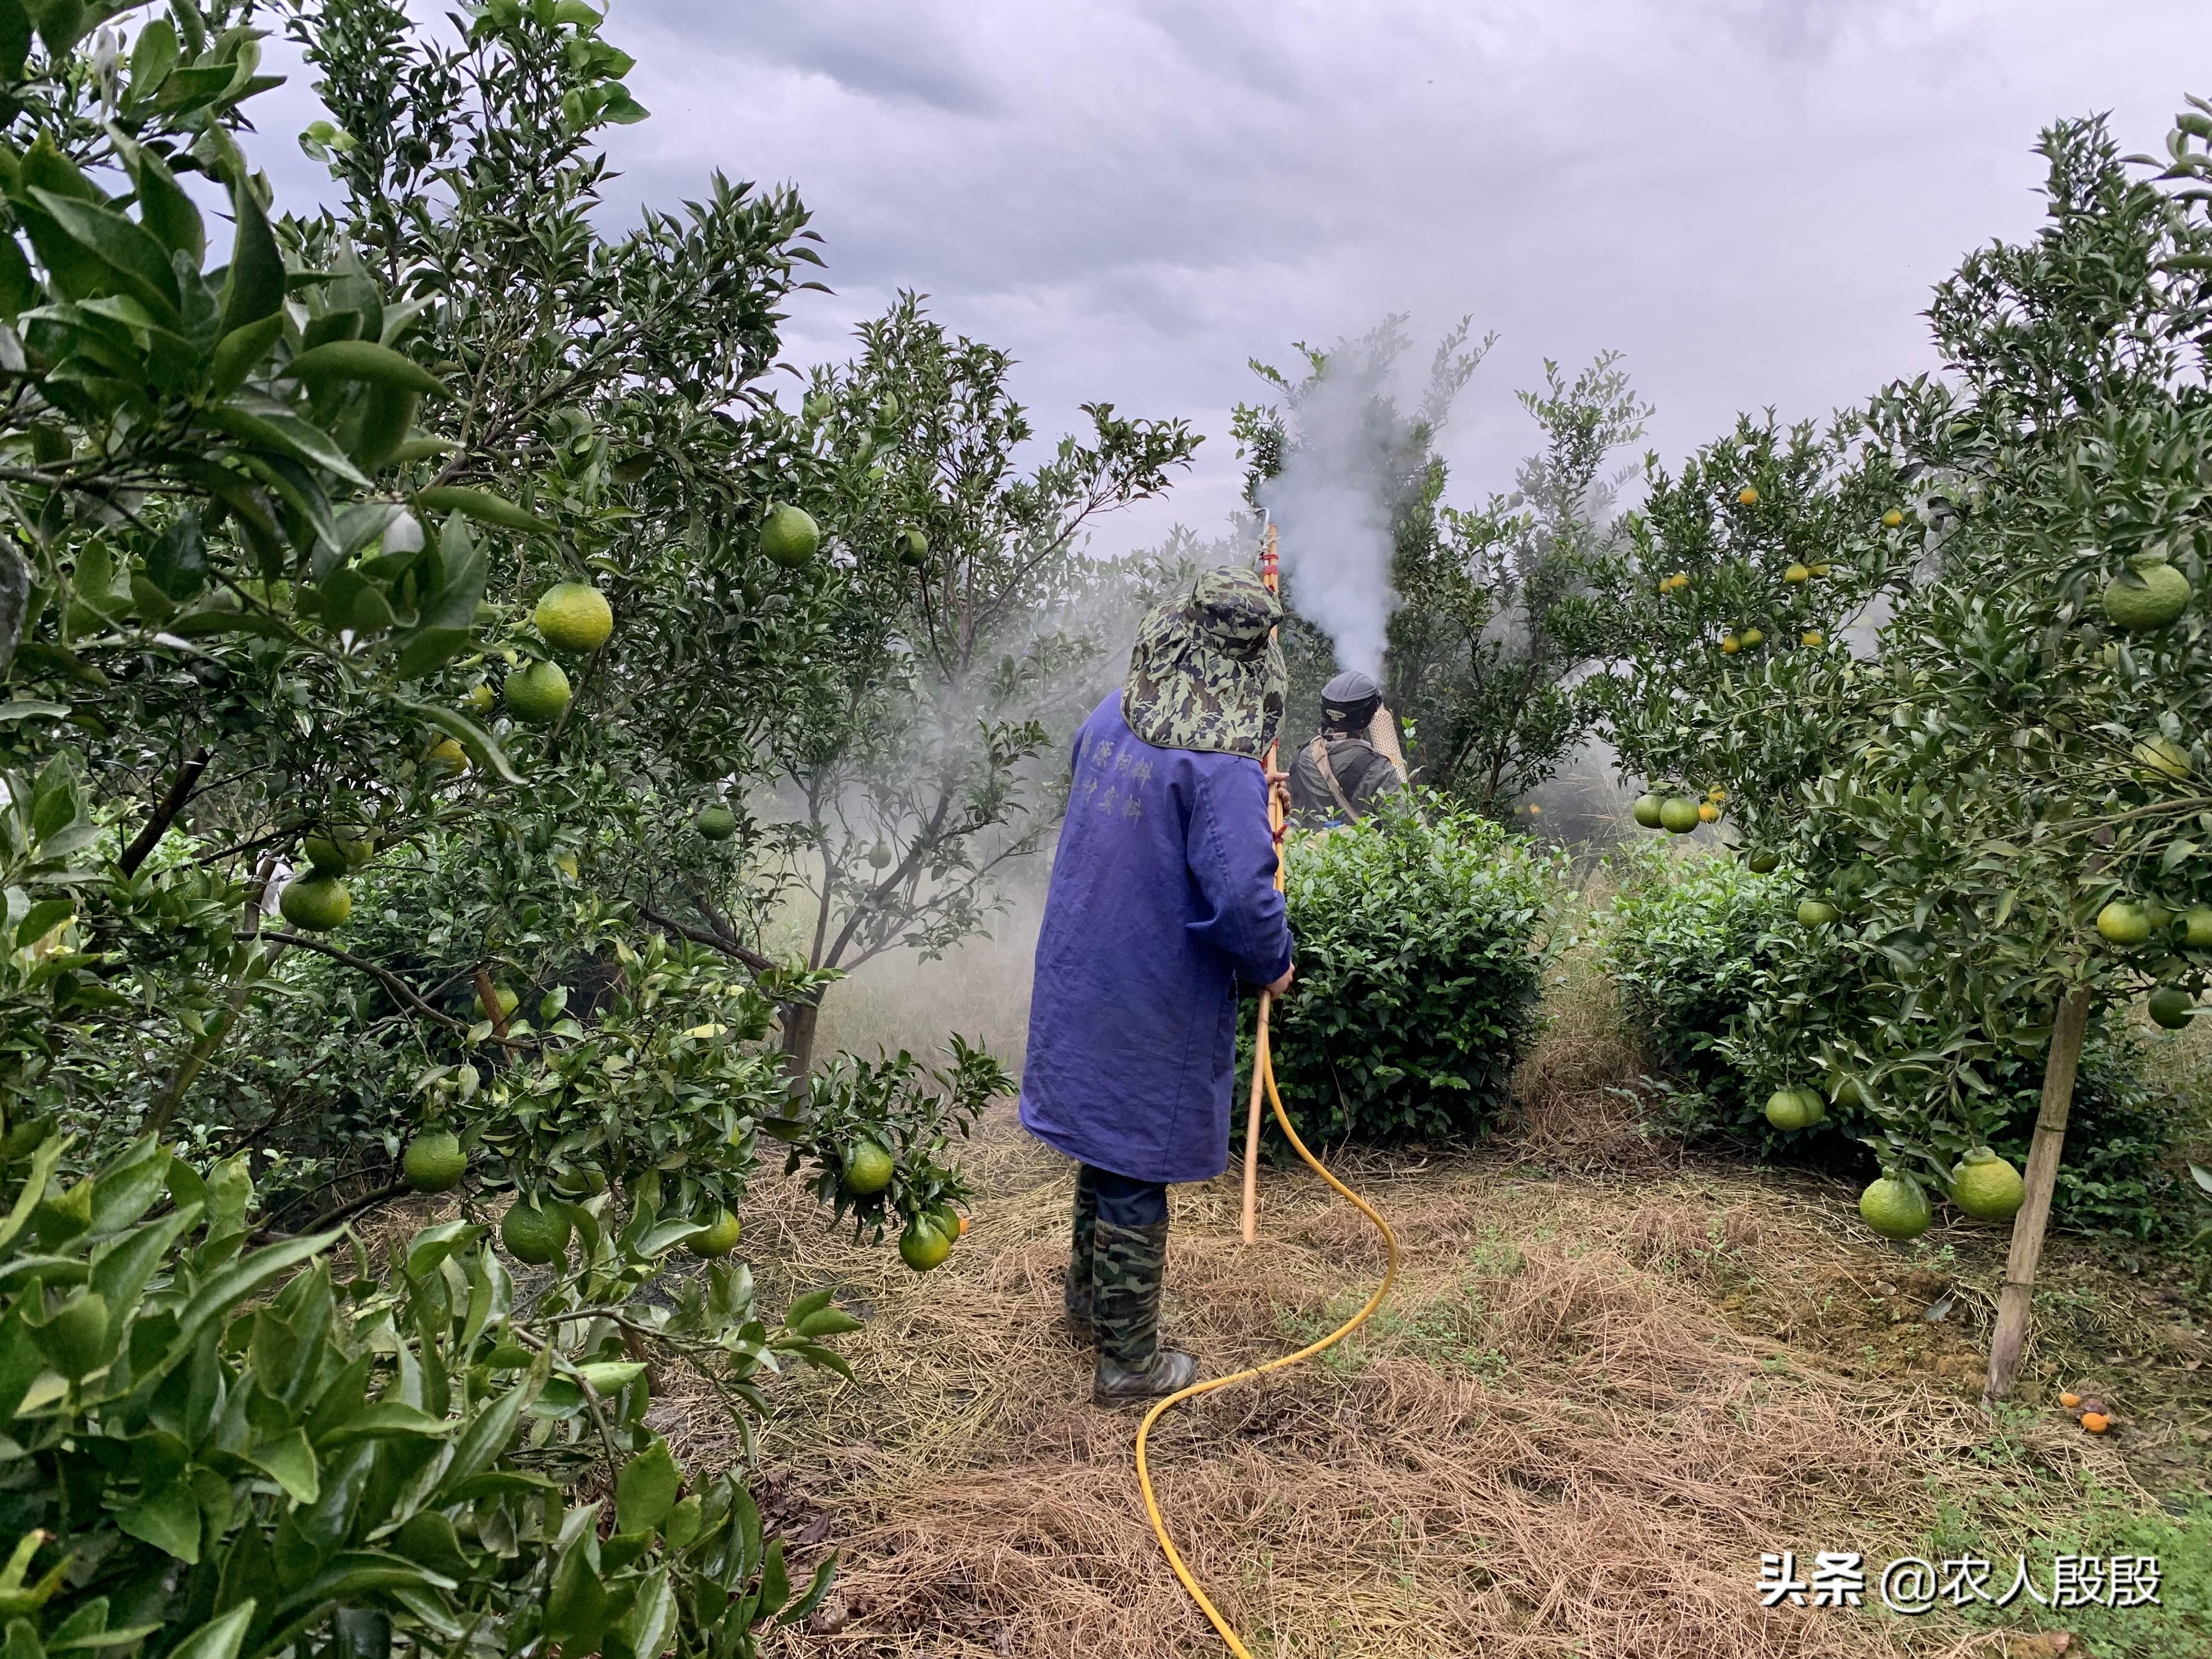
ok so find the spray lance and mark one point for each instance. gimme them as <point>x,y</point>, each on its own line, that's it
<point>1263,1084</point>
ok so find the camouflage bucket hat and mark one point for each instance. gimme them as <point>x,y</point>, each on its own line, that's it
<point>1206,673</point>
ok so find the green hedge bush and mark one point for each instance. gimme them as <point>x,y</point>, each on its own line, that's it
<point>1421,950</point>
<point>1721,984</point>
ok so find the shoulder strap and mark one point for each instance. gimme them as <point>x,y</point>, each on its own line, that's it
<point>1320,753</point>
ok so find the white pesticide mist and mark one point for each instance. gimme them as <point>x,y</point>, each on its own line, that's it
<point>1332,522</point>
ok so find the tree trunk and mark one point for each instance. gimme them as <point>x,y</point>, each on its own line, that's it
<point>798,1022</point>
<point>2013,1305</point>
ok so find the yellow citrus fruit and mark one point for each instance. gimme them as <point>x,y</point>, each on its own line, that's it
<point>1747,495</point>
<point>538,695</point>
<point>1797,573</point>
<point>480,697</point>
<point>790,537</point>
<point>1819,569</point>
<point>435,1163</point>
<point>1893,518</point>
<point>1730,645</point>
<point>534,1235</point>
<point>1896,1207</point>
<point>922,1246</point>
<point>1986,1187</point>
<point>719,1238</point>
<point>1708,813</point>
<point>574,616</point>
<point>2160,755</point>
<point>566,864</point>
<point>1812,637</point>
<point>447,756</point>
<point>315,904</point>
<point>867,1168</point>
<point>2124,923</point>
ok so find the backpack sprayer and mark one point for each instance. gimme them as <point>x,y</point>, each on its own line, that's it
<point>1263,1081</point>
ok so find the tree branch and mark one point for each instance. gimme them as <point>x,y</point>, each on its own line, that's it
<point>714,941</point>
<point>390,981</point>
<point>165,812</point>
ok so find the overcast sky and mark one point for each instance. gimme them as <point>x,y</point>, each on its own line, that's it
<point>1749,199</point>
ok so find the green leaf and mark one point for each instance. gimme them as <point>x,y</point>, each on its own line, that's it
<point>240,352</point>
<point>15,38</point>
<point>163,207</point>
<point>647,1489</point>
<point>255,286</point>
<point>816,1588</point>
<point>775,1582</point>
<point>140,263</point>
<point>219,1639</point>
<point>168,1518</point>
<point>177,562</point>
<point>273,427</point>
<point>479,504</point>
<point>290,1462</point>
<point>475,741</point>
<point>364,360</point>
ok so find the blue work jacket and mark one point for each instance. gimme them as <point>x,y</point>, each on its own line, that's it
<point>1162,896</point>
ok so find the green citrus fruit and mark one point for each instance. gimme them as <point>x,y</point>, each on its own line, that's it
<point>1987,1188</point>
<point>435,1163</point>
<point>716,823</point>
<point>2172,1007</point>
<point>2123,923</point>
<point>538,695</point>
<point>790,537</point>
<point>1678,815</point>
<point>2196,927</point>
<point>508,1001</point>
<point>879,856</point>
<point>922,1246</point>
<point>1763,861</point>
<point>575,616</point>
<point>1749,637</point>
<point>913,547</point>
<point>719,1238</point>
<point>1815,913</point>
<point>2159,758</point>
<point>333,855</point>
<point>534,1235</point>
<point>1896,1207</point>
<point>1794,1108</point>
<point>867,1168</point>
<point>1646,810</point>
<point>1845,1092</point>
<point>947,1220</point>
<point>447,756</point>
<point>2158,594</point>
<point>315,904</point>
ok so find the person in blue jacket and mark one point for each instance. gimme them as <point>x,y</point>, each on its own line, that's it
<point>1162,899</point>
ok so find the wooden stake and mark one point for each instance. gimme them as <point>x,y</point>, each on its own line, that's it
<point>2014,1305</point>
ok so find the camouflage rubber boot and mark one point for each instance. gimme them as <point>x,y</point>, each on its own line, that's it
<point>1076,1282</point>
<point>1128,1263</point>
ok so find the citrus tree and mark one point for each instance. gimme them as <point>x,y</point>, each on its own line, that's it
<point>296,597</point>
<point>1991,812</point>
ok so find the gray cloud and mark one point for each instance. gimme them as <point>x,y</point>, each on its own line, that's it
<point>1749,198</point>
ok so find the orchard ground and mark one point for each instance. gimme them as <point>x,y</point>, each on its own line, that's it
<point>1615,1372</point>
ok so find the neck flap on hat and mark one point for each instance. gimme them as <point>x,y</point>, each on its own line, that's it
<point>1206,673</point>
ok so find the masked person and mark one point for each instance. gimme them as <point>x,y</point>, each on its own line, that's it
<point>1163,898</point>
<point>1341,776</point>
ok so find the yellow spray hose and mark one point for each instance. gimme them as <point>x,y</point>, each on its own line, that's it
<point>1264,1066</point>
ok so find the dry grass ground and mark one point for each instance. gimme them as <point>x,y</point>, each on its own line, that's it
<point>1609,1380</point>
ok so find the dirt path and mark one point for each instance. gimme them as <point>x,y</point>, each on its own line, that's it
<point>1598,1397</point>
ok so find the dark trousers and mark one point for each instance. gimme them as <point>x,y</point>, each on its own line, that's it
<point>1125,1201</point>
